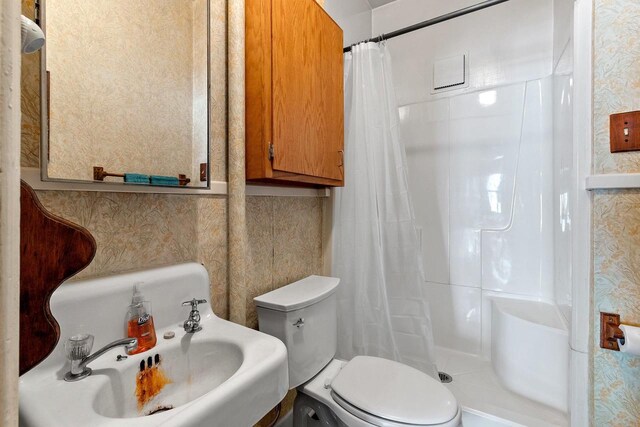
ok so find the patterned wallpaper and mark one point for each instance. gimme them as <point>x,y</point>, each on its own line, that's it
<point>616,80</point>
<point>616,239</point>
<point>30,103</point>
<point>616,214</point>
<point>285,244</point>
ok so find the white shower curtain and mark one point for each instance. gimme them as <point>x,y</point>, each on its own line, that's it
<point>381,309</point>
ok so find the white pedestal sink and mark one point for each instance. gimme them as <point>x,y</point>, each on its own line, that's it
<point>224,375</point>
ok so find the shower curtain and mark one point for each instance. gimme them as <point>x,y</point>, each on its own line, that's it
<point>376,254</point>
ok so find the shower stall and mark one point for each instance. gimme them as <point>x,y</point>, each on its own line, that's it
<point>491,175</point>
<point>487,120</point>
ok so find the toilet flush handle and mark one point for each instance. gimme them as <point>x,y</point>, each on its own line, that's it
<point>299,322</point>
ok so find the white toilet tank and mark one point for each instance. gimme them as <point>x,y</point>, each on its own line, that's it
<point>303,316</point>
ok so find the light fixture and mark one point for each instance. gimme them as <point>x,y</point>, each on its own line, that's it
<point>32,36</point>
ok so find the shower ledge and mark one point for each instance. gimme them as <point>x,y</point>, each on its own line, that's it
<point>612,181</point>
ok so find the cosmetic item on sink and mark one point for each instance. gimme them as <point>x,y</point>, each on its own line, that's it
<point>140,322</point>
<point>136,178</point>
<point>165,180</point>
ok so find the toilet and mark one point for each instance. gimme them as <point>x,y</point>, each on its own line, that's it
<point>365,391</point>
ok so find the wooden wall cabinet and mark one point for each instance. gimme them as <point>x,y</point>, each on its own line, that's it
<point>294,94</point>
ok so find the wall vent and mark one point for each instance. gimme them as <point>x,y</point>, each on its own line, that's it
<point>450,72</point>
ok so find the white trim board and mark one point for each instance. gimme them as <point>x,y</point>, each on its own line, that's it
<point>581,255</point>
<point>218,188</point>
<point>275,191</point>
<point>613,181</point>
<point>32,177</point>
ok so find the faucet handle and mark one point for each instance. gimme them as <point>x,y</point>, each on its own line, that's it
<point>194,303</point>
<point>79,346</point>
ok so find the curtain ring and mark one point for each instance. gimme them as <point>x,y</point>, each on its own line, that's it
<point>381,40</point>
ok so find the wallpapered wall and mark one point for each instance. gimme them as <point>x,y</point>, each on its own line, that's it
<point>285,244</point>
<point>616,214</point>
<point>135,231</point>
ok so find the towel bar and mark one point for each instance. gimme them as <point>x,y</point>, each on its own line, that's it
<point>99,174</point>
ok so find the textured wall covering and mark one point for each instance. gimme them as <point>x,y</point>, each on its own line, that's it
<point>30,102</point>
<point>123,95</point>
<point>236,165</point>
<point>616,214</point>
<point>285,244</point>
<point>136,231</point>
<point>617,289</point>
<point>616,77</point>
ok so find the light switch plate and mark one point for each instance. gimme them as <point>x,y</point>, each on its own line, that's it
<point>625,132</point>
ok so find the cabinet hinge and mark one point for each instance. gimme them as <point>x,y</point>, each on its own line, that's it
<point>271,154</point>
<point>36,12</point>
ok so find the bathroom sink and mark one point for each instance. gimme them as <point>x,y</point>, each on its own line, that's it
<point>185,372</point>
<point>224,375</point>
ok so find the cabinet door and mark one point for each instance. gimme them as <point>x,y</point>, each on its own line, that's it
<point>307,90</point>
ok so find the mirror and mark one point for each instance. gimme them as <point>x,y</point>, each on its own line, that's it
<point>125,91</point>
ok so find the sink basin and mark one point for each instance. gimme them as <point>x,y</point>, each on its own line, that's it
<point>191,370</point>
<point>225,375</point>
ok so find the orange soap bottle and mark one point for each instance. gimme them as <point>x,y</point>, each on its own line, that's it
<point>140,322</point>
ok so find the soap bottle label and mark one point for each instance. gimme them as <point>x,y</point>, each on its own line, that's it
<point>143,319</point>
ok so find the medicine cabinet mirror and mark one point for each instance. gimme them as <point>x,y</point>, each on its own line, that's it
<point>125,90</point>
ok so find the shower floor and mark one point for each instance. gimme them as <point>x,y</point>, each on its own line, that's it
<point>485,402</point>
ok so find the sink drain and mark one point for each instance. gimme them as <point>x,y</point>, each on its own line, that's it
<point>160,409</point>
<point>444,377</point>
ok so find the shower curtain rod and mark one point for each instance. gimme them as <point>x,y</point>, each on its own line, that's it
<point>430,22</point>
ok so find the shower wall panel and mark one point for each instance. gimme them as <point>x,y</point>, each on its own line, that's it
<point>480,175</point>
<point>465,160</point>
<point>508,43</point>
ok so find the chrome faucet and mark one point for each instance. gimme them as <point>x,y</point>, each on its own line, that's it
<point>78,348</point>
<point>192,324</point>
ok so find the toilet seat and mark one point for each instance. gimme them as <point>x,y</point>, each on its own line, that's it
<point>385,393</point>
<point>372,420</point>
<point>318,389</point>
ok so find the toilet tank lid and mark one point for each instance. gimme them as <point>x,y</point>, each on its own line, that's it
<point>300,294</point>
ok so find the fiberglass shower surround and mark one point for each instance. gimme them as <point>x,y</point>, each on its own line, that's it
<point>481,178</point>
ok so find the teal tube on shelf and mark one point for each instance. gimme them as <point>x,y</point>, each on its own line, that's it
<point>136,178</point>
<point>165,180</point>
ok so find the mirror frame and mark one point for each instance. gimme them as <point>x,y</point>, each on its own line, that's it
<point>40,15</point>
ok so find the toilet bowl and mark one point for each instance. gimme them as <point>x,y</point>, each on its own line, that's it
<point>365,391</point>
